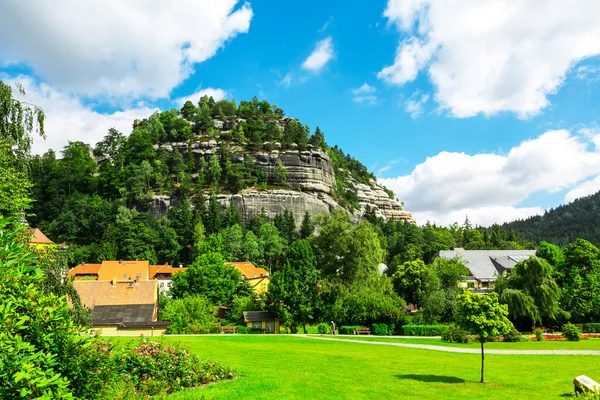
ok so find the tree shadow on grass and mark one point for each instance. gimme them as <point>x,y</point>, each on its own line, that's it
<point>432,378</point>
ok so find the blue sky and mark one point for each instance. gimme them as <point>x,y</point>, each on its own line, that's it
<point>482,108</point>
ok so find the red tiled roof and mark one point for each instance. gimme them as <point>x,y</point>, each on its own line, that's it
<point>102,293</point>
<point>38,237</point>
<point>153,270</point>
<point>85,269</point>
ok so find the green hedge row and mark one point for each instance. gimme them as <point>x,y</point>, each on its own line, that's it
<point>592,327</point>
<point>424,330</point>
<point>348,329</point>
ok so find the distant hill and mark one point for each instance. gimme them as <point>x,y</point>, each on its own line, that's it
<point>564,224</point>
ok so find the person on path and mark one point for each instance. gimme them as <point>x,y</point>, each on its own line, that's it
<point>332,328</point>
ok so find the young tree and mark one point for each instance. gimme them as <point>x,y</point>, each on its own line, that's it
<point>308,226</point>
<point>482,315</point>
<point>409,281</point>
<point>280,174</point>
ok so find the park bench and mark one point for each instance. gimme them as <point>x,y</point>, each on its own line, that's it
<point>228,329</point>
<point>362,331</point>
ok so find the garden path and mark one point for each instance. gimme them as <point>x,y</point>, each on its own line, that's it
<point>463,350</point>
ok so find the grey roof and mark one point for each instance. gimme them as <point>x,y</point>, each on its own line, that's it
<point>259,316</point>
<point>485,265</point>
<point>130,313</point>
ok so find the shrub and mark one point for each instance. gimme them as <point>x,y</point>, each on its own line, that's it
<point>571,332</point>
<point>189,313</point>
<point>382,329</point>
<point>324,328</point>
<point>454,334</point>
<point>154,368</point>
<point>539,334</point>
<point>241,329</point>
<point>348,329</point>
<point>513,336</point>
<point>197,329</point>
<point>255,330</point>
<point>592,327</point>
<point>424,330</point>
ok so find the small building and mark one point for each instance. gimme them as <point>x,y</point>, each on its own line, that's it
<point>258,278</point>
<point>163,274</point>
<point>486,265</point>
<point>262,320</point>
<point>39,240</point>
<point>122,307</point>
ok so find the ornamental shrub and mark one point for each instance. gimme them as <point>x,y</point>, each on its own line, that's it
<point>571,332</point>
<point>241,329</point>
<point>424,330</point>
<point>454,334</point>
<point>382,329</point>
<point>539,334</point>
<point>348,329</point>
<point>323,328</point>
<point>513,336</point>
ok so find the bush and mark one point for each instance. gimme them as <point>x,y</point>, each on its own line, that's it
<point>242,329</point>
<point>255,330</point>
<point>197,329</point>
<point>455,335</point>
<point>571,332</point>
<point>513,336</point>
<point>592,327</point>
<point>382,329</point>
<point>189,314</point>
<point>349,329</point>
<point>424,330</point>
<point>153,368</point>
<point>324,328</point>
<point>539,334</point>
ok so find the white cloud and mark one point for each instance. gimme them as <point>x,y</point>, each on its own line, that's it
<point>414,104</point>
<point>287,80</point>
<point>589,73</point>
<point>216,93</point>
<point>585,189</point>
<point>492,56</point>
<point>325,25</point>
<point>67,119</point>
<point>117,48</point>
<point>364,94</point>
<point>322,54</point>
<point>484,216</point>
<point>447,184</point>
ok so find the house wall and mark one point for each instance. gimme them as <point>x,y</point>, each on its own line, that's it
<point>264,325</point>
<point>112,330</point>
<point>260,285</point>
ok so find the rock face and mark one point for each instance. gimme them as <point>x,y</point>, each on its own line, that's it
<point>310,178</point>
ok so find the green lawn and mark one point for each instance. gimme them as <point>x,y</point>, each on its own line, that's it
<point>587,344</point>
<point>288,367</point>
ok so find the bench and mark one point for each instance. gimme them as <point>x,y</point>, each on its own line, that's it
<point>362,331</point>
<point>228,329</point>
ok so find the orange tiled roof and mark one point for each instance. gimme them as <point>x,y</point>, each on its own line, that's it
<point>162,269</point>
<point>37,237</point>
<point>85,269</point>
<point>101,293</point>
<point>123,271</point>
<point>248,270</point>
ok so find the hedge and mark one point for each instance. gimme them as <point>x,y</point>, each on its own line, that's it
<point>424,330</point>
<point>591,327</point>
<point>382,329</point>
<point>349,329</point>
<point>241,329</point>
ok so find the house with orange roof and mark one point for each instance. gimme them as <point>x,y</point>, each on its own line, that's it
<point>258,278</point>
<point>39,240</point>
<point>122,308</point>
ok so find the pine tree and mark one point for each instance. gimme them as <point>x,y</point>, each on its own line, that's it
<point>232,216</point>
<point>308,227</point>
<point>213,217</point>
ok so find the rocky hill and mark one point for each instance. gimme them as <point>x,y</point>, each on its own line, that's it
<point>310,182</point>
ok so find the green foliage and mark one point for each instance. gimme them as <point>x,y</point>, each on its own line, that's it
<point>187,313</point>
<point>440,289</point>
<point>308,226</point>
<point>409,281</point>
<point>280,174</point>
<point>514,336</point>
<point>323,328</point>
<point>539,334</point>
<point>454,334</point>
<point>382,329</point>
<point>571,332</point>
<point>424,330</point>
<point>589,327</point>
<point>348,329</point>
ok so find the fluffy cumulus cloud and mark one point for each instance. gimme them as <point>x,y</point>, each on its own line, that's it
<point>321,55</point>
<point>414,104</point>
<point>492,56</point>
<point>67,119</point>
<point>117,48</point>
<point>365,94</point>
<point>215,93</point>
<point>489,187</point>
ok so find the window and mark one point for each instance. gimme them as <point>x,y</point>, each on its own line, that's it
<point>257,325</point>
<point>270,327</point>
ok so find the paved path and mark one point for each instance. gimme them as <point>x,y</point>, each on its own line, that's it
<point>464,350</point>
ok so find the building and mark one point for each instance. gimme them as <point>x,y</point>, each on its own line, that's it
<point>258,278</point>
<point>261,320</point>
<point>122,307</point>
<point>124,270</point>
<point>486,265</point>
<point>39,240</point>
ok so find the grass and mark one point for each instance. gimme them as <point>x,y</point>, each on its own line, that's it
<point>289,367</point>
<point>586,344</point>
